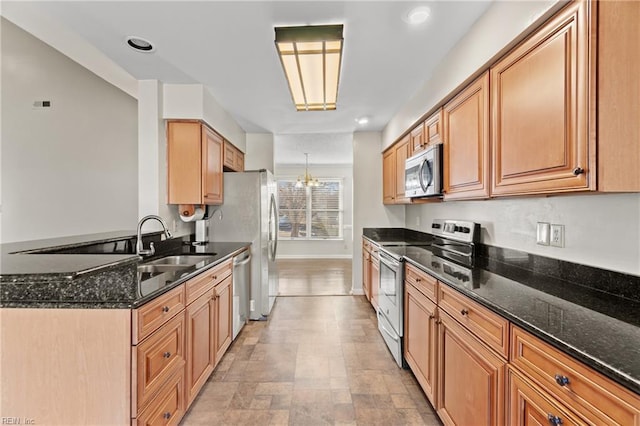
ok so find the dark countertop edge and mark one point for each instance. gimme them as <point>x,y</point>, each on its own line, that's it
<point>148,298</point>
<point>118,304</point>
<point>605,369</point>
<point>134,258</point>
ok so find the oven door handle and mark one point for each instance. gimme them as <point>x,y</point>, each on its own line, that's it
<point>395,338</point>
<point>389,261</point>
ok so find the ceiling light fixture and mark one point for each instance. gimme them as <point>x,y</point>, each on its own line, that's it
<point>311,57</point>
<point>362,120</point>
<point>139,44</point>
<point>418,15</point>
<point>307,179</point>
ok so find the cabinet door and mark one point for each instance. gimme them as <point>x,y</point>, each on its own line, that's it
<point>366,274</point>
<point>418,142</point>
<point>471,378</point>
<point>541,110</point>
<point>389,176</point>
<point>528,405</point>
<point>184,147</point>
<point>433,129</point>
<point>223,311</point>
<point>212,183</point>
<point>200,335</point>
<point>374,277</point>
<point>239,161</point>
<point>420,339</point>
<point>466,142</point>
<point>402,149</point>
<point>229,155</point>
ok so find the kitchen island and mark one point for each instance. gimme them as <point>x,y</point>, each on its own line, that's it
<point>87,339</point>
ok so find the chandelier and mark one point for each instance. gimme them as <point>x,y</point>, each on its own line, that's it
<point>306,180</point>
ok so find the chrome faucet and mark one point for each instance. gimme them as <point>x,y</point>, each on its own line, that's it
<point>140,250</point>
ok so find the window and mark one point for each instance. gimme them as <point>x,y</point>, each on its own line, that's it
<point>320,206</point>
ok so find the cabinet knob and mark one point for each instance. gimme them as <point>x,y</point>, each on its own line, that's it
<point>418,280</point>
<point>214,277</point>
<point>165,309</point>
<point>562,380</point>
<point>167,354</point>
<point>464,312</point>
<point>578,171</point>
<point>432,316</point>
<point>554,420</point>
<point>166,416</point>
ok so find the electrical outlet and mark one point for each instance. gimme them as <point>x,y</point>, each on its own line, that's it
<point>542,234</point>
<point>557,235</point>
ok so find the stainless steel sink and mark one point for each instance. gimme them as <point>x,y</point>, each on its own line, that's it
<point>158,269</point>
<point>181,261</point>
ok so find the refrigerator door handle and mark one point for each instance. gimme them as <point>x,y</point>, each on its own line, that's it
<point>273,230</point>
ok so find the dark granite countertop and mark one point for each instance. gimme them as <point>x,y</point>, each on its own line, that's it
<point>32,275</point>
<point>599,328</point>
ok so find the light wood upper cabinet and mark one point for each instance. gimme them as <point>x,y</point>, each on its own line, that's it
<point>417,136</point>
<point>542,111</point>
<point>233,158</point>
<point>403,151</point>
<point>618,96</point>
<point>433,128</point>
<point>466,142</point>
<point>389,176</point>
<point>194,154</point>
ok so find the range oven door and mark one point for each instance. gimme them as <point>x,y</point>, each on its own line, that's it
<point>391,291</point>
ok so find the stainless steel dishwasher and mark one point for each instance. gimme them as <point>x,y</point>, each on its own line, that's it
<point>241,286</point>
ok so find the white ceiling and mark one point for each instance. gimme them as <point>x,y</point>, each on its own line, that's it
<point>323,148</point>
<point>228,46</point>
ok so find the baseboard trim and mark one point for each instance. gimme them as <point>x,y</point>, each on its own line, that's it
<point>315,256</point>
<point>357,291</point>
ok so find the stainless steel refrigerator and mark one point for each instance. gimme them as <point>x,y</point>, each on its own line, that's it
<point>250,213</point>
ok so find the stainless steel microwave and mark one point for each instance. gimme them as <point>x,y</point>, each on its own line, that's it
<point>423,173</point>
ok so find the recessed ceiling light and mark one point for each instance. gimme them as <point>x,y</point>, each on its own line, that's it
<point>418,15</point>
<point>140,44</point>
<point>362,120</point>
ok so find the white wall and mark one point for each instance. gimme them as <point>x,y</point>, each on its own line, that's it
<point>491,34</point>
<point>600,230</point>
<point>194,101</point>
<point>315,249</point>
<point>70,169</point>
<point>259,153</point>
<point>369,212</point>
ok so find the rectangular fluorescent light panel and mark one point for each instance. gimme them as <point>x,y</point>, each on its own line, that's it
<point>311,58</point>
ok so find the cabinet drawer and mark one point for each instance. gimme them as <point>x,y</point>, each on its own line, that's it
<point>156,358</point>
<point>149,317</point>
<point>528,404</point>
<point>366,245</point>
<point>591,395</point>
<point>168,406</point>
<point>422,281</point>
<point>375,256</point>
<point>489,327</point>
<point>199,285</point>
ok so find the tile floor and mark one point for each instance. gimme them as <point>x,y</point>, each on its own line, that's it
<point>304,277</point>
<point>316,361</point>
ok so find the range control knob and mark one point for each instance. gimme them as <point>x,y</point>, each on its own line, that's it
<point>466,230</point>
<point>436,225</point>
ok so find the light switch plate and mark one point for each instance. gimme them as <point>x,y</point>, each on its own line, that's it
<point>557,235</point>
<point>542,234</point>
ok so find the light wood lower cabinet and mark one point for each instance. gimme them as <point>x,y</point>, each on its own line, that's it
<point>168,406</point>
<point>223,303</point>
<point>200,343</point>
<point>420,338</point>
<point>528,405</point>
<point>471,378</point>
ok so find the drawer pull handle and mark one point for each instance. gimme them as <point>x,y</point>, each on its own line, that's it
<point>418,280</point>
<point>166,416</point>
<point>464,312</point>
<point>562,380</point>
<point>167,354</point>
<point>432,316</point>
<point>214,277</point>
<point>554,420</point>
<point>578,171</point>
<point>165,309</point>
